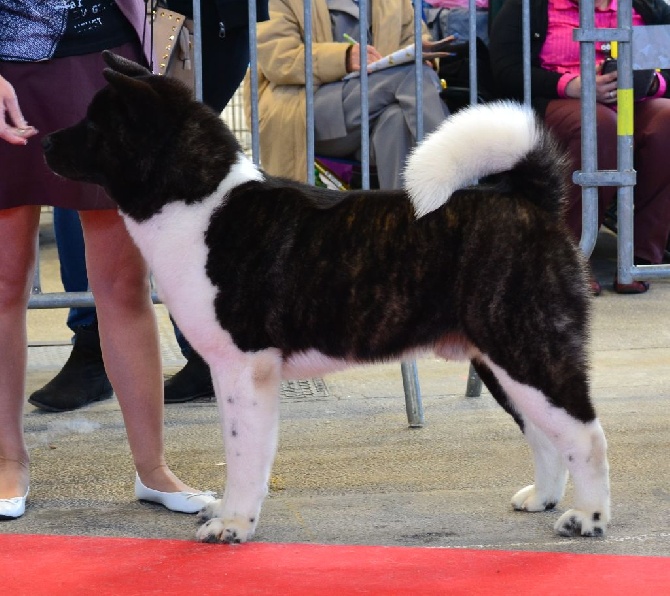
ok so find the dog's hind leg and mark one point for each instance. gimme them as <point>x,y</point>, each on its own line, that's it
<point>247,392</point>
<point>551,474</point>
<point>560,440</point>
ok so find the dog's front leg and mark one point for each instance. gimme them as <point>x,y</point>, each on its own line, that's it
<point>247,394</point>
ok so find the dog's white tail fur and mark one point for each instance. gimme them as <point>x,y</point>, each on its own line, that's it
<point>475,142</point>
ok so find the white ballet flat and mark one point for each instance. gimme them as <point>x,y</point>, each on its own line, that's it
<point>14,507</point>
<point>183,502</point>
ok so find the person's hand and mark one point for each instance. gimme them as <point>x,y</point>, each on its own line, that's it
<point>606,87</point>
<point>354,57</point>
<point>13,127</point>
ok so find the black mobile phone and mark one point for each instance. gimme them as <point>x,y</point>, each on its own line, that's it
<point>642,79</point>
<point>609,66</point>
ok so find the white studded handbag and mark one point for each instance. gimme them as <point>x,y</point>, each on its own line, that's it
<point>172,44</point>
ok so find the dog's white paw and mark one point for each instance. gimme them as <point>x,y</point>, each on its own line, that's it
<point>211,510</point>
<point>529,499</point>
<point>228,531</point>
<point>581,523</point>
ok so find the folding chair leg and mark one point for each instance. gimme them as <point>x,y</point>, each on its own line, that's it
<point>410,382</point>
<point>37,284</point>
<point>474,387</point>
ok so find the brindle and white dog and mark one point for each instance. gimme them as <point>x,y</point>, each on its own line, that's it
<point>270,279</point>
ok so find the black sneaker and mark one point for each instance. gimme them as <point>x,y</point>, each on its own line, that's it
<point>191,382</point>
<point>81,381</point>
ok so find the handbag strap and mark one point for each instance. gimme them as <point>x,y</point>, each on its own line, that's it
<point>149,7</point>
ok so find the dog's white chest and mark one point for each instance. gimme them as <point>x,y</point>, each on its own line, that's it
<point>173,244</point>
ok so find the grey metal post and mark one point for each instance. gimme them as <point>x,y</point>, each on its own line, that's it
<point>197,49</point>
<point>589,176</point>
<point>409,369</point>
<point>625,142</point>
<point>309,91</point>
<point>365,104</point>
<point>413,403</point>
<point>472,49</point>
<point>525,32</point>
<point>589,136</point>
<point>474,385</point>
<point>418,68</point>
<point>253,76</point>
<point>626,270</point>
<point>37,284</point>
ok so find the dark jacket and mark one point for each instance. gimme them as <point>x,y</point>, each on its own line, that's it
<point>224,42</point>
<point>232,13</point>
<point>506,50</point>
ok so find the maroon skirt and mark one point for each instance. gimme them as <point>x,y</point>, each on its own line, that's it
<point>53,94</point>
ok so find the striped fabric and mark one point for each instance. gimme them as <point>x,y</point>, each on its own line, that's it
<point>560,52</point>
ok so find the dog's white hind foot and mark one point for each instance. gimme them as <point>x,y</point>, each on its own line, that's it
<point>211,510</point>
<point>551,474</point>
<point>590,474</point>
<point>530,499</point>
<point>228,531</point>
<point>562,441</point>
<point>582,523</point>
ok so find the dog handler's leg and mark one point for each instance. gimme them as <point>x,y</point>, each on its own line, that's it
<point>18,230</point>
<point>247,393</point>
<point>582,446</point>
<point>119,279</point>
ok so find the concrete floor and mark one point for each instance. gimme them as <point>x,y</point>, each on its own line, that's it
<point>350,471</point>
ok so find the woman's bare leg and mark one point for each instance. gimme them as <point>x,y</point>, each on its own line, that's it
<point>129,339</point>
<point>18,230</point>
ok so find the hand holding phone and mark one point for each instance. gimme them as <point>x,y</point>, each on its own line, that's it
<point>643,80</point>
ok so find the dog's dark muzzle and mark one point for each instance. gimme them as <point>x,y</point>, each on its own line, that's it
<point>66,155</point>
<point>47,144</point>
<point>51,155</point>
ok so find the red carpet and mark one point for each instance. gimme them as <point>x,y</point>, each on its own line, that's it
<point>63,565</point>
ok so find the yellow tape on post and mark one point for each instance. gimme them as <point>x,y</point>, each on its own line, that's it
<point>625,112</point>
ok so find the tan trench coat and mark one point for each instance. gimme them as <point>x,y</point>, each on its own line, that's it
<point>281,72</point>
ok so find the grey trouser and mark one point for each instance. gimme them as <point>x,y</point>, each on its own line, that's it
<point>392,109</point>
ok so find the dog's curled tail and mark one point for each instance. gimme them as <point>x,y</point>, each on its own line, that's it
<point>482,140</point>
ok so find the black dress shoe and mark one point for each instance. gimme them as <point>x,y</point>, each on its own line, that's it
<point>191,382</point>
<point>81,381</point>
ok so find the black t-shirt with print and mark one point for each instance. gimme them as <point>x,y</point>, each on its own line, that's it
<point>93,26</point>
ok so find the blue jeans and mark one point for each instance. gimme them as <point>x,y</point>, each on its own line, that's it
<point>70,244</point>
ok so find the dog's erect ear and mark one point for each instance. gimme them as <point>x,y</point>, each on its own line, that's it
<point>123,65</point>
<point>140,98</point>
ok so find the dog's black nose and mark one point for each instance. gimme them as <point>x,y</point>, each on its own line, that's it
<point>47,143</point>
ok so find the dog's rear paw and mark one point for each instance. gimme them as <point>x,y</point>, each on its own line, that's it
<point>211,510</point>
<point>581,523</point>
<point>226,531</point>
<point>528,499</point>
